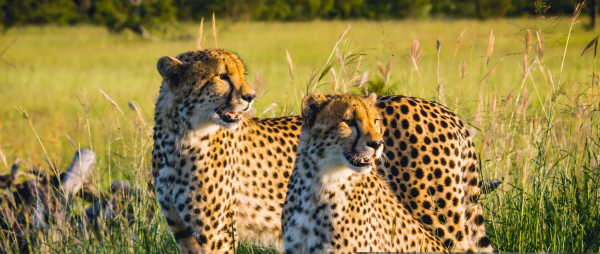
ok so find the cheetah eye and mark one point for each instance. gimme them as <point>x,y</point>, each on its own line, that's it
<point>350,122</point>
<point>223,77</point>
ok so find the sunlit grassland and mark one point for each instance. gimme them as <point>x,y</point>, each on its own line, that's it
<point>539,134</point>
<point>58,68</point>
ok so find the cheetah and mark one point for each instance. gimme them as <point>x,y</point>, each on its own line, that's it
<point>221,176</point>
<point>337,203</point>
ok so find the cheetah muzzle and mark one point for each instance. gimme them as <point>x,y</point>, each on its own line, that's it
<point>229,116</point>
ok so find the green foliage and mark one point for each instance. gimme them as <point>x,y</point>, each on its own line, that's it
<point>121,14</point>
<point>19,12</point>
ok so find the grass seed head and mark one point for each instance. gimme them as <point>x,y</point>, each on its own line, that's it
<point>381,68</point>
<point>137,111</point>
<point>343,33</point>
<point>113,103</point>
<point>414,56</point>
<point>363,79</point>
<point>540,45</point>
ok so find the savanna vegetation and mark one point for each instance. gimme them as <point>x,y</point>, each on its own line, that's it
<point>529,86</point>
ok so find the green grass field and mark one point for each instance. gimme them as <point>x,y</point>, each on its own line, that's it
<point>540,134</point>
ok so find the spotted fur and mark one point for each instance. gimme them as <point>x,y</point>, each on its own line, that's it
<point>336,204</point>
<point>220,181</point>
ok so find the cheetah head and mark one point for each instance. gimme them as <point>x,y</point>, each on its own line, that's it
<point>343,132</point>
<point>205,88</point>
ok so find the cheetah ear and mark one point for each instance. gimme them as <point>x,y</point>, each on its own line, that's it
<point>170,69</point>
<point>372,97</point>
<point>311,104</point>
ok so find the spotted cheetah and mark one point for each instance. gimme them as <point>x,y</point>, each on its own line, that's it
<point>336,203</point>
<point>221,176</point>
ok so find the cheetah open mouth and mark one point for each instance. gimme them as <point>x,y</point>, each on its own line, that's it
<point>357,161</point>
<point>229,116</point>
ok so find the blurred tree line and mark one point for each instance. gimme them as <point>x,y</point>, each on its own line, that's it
<point>132,14</point>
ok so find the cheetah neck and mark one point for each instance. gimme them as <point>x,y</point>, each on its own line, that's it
<point>330,187</point>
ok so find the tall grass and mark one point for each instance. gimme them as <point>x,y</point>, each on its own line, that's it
<point>535,110</point>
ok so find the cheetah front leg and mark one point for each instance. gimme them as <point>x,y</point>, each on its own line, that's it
<point>203,235</point>
<point>184,235</point>
<point>211,228</point>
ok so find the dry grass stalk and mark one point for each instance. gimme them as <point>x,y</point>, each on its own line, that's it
<point>24,113</point>
<point>456,106</point>
<point>340,58</point>
<point>199,39</point>
<point>343,34</point>
<point>3,158</point>
<point>490,49</point>
<point>260,85</point>
<point>287,108</point>
<point>492,108</point>
<point>523,107</point>
<point>338,42</point>
<point>576,14</point>
<point>388,68</point>
<point>458,41</point>
<point>70,140</point>
<point>551,78</point>
<point>525,70</point>
<point>214,30</point>
<point>385,70</point>
<point>269,108</point>
<point>114,105</point>
<point>541,70</point>
<point>355,75</point>
<point>414,56</point>
<point>540,45</point>
<point>335,81</point>
<point>527,41</point>
<point>289,61</point>
<point>137,111</point>
<point>363,79</point>
<point>441,93</point>
<point>491,71</point>
<point>478,118</point>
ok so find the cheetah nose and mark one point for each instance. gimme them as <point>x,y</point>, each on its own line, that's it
<point>375,144</point>
<point>249,97</point>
